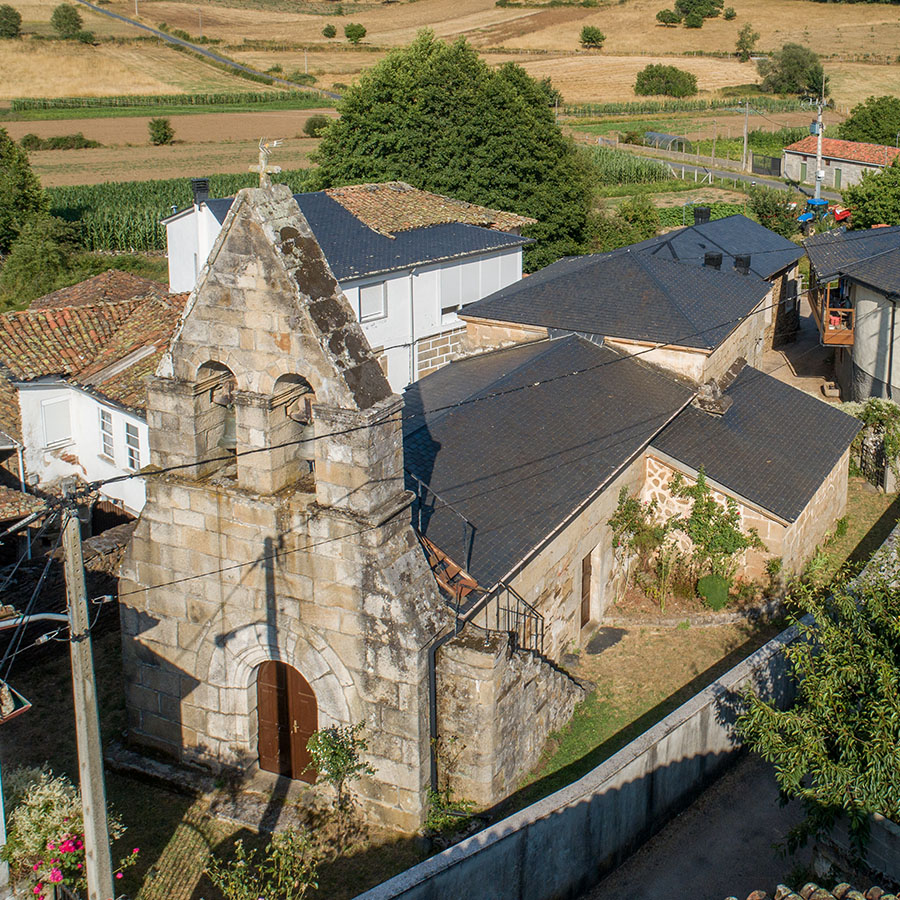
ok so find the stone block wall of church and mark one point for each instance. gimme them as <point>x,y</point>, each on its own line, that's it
<point>496,706</point>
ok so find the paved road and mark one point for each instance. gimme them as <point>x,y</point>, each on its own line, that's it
<point>203,51</point>
<point>721,846</point>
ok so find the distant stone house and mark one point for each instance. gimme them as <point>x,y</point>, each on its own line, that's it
<point>843,162</point>
<point>419,563</point>
<point>407,261</point>
<point>854,290</point>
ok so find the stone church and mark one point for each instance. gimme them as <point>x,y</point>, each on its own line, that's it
<point>275,584</point>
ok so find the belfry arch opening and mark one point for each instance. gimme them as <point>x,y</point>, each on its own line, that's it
<point>216,417</point>
<point>291,425</point>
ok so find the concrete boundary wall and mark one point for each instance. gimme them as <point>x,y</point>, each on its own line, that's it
<point>567,842</point>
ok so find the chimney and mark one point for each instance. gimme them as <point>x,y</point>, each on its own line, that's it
<point>742,263</point>
<point>713,260</point>
<point>701,215</point>
<point>200,190</point>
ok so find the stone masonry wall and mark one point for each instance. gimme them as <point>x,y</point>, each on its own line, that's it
<point>434,352</point>
<point>482,334</point>
<point>499,705</point>
<point>785,317</point>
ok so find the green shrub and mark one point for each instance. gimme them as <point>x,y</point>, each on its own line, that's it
<point>666,80</point>
<point>315,125</point>
<point>706,9</point>
<point>85,37</point>
<point>66,21</point>
<point>75,141</point>
<point>274,70</point>
<point>592,36</point>
<point>668,17</point>
<point>729,13</point>
<point>299,77</point>
<point>10,21</point>
<point>354,32</point>
<point>693,20</point>
<point>329,31</point>
<point>161,131</point>
<point>714,591</point>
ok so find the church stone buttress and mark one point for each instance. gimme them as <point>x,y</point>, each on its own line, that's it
<point>274,584</point>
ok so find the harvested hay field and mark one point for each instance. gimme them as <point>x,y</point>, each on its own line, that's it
<point>198,128</point>
<point>62,167</point>
<point>851,83</point>
<point>69,69</point>
<point>36,18</point>
<point>583,78</point>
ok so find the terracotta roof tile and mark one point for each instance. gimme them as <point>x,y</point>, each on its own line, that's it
<point>111,286</point>
<point>853,151</point>
<point>812,891</point>
<point>396,206</point>
<point>14,504</point>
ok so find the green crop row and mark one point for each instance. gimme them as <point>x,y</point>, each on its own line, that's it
<point>126,215</point>
<point>613,166</point>
<point>641,107</point>
<point>303,100</point>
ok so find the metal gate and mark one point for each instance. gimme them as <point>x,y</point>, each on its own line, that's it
<point>766,165</point>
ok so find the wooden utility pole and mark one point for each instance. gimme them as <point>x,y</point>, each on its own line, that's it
<point>744,159</point>
<point>715,134</point>
<point>87,718</point>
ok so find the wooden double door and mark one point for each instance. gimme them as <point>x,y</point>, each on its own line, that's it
<point>288,716</point>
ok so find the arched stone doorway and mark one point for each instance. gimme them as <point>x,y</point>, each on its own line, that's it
<point>288,715</point>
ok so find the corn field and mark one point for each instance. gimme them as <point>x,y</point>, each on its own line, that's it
<point>126,215</point>
<point>612,166</point>
<point>599,110</point>
<point>297,99</point>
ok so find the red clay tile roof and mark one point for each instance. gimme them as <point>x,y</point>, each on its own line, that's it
<point>14,504</point>
<point>812,891</point>
<point>111,286</point>
<point>852,151</point>
<point>396,206</point>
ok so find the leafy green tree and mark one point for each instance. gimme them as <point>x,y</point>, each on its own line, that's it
<point>354,32</point>
<point>336,754</point>
<point>437,116</point>
<point>794,69</point>
<point>38,260</point>
<point>706,9</point>
<point>772,208</point>
<point>315,125</point>
<point>668,17</point>
<point>592,36</point>
<point>10,21</point>
<point>838,746</point>
<point>286,869</point>
<point>66,21</point>
<point>693,20</point>
<point>877,121</point>
<point>21,195</point>
<point>876,199</point>
<point>329,31</point>
<point>746,42</point>
<point>667,80</point>
<point>641,216</point>
<point>161,131</point>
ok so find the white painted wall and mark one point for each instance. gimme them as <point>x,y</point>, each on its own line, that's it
<point>61,434</point>
<point>418,303</point>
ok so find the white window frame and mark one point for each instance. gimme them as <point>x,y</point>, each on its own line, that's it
<point>47,404</point>
<point>133,446</point>
<point>107,441</point>
<point>382,312</point>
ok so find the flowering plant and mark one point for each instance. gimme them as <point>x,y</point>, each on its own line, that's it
<point>45,840</point>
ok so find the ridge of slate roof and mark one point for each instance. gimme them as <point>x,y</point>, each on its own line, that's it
<point>111,286</point>
<point>35,343</point>
<point>853,151</point>
<point>630,295</point>
<point>518,460</point>
<point>392,206</point>
<point>730,235</point>
<point>832,252</point>
<point>881,271</point>
<point>354,249</point>
<point>774,446</point>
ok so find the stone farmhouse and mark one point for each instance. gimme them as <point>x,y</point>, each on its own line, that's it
<point>316,549</point>
<point>843,162</point>
<point>407,262</point>
<point>854,289</point>
<point>72,383</point>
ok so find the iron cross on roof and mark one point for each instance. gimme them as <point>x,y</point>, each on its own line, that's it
<point>263,167</point>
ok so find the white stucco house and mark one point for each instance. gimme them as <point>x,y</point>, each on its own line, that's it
<point>407,260</point>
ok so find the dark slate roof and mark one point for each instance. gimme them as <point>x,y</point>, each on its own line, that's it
<point>833,252</point>
<point>774,446</point>
<point>769,252</point>
<point>881,271</point>
<point>518,464</point>
<point>629,295</point>
<point>354,250</point>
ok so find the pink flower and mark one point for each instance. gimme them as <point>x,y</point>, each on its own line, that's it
<point>79,845</point>
<point>118,874</point>
<point>38,888</point>
<point>67,846</point>
<point>136,850</point>
<point>78,866</point>
<point>35,867</point>
<point>51,845</point>
<point>55,876</point>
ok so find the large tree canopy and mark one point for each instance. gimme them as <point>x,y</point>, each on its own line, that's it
<point>876,199</point>
<point>435,115</point>
<point>877,121</point>
<point>794,69</point>
<point>21,195</point>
